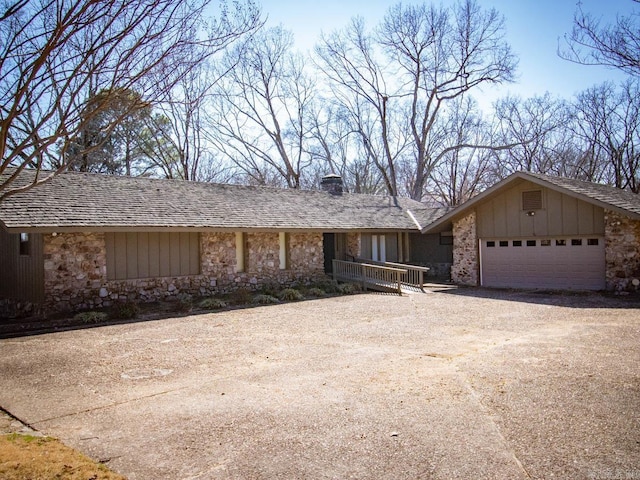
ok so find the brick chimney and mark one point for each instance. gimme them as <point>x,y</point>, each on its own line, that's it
<point>332,183</point>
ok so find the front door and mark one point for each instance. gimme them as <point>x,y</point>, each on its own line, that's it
<point>334,248</point>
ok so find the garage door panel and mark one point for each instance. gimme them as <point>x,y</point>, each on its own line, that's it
<point>569,266</point>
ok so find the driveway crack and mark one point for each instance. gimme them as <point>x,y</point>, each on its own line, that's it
<point>110,405</point>
<point>489,415</point>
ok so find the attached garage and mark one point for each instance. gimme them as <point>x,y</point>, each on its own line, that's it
<point>576,263</point>
<point>535,237</point>
<point>537,231</point>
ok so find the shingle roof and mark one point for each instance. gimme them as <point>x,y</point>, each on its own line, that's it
<point>86,201</point>
<point>608,197</point>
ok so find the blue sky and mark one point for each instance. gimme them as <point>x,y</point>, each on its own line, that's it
<point>533,30</point>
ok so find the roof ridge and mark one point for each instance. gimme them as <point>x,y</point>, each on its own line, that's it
<point>124,178</point>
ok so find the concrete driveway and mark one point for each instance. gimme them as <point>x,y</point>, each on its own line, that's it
<point>457,384</point>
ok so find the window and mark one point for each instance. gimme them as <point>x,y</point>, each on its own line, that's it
<point>491,243</point>
<point>241,252</point>
<point>576,242</point>
<point>25,244</point>
<point>545,243</point>
<point>531,243</point>
<point>532,200</point>
<point>446,238</point>
<point>592,241</point>
<point>133,255</point>
<point>504,243</point>
<point>517,243</point>
<point>378,248</point>
<point>561,243</point>
<point>284,250</point>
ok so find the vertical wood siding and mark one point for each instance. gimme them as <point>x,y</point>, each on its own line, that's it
<point>504,215</point>
<point>134,255</point>
<point>21,276</point>
<point>8,263</point>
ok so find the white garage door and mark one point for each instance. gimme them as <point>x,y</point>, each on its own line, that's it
<point>558,263</point>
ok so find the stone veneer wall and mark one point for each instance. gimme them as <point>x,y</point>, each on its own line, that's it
<point>354,244</point>
<point>306,256</point>
<point>464,270</point>
<point>75,270</point>
<point>75,273</point>
<point>622,252</point>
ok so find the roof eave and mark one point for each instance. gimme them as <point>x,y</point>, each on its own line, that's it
<point>204,229</point>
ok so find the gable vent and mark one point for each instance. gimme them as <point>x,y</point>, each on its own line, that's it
<point>532,200</point>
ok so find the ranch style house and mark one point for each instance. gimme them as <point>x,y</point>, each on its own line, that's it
<point>83,241</point>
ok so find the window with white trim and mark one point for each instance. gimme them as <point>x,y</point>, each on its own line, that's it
<point>241,252</point>
<point>283,240</point>
<point>378,248</point>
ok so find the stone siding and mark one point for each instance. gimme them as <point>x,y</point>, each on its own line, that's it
<point>75,272</point>
<point>622,252</point>
<point>306,254</point>
<point>464,270</point>
<point>354,245</point>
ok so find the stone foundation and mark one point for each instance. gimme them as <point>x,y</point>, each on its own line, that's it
<point>75,275</point>
<point>12,308</point>
<point>622,252</point>
<point>464,270</point>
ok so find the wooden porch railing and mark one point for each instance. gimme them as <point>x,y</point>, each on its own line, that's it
<point>369,275</point>
<point>414,276</point>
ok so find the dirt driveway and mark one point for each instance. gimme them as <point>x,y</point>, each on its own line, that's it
<point>458,384</point>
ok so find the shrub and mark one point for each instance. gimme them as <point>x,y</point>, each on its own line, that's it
<point>328,286</point>
<point>241,296</point>
<point>90,317</point>
<point>185,303</point>
<point>316,292</point>
<point>265,299</point>
<point>212,304</point>
<point>125,310</point>
<point>271,288</point>
<point>348,288</point>
<point>290,295</point>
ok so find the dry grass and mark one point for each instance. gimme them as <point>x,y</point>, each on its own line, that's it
<point>27,457</point>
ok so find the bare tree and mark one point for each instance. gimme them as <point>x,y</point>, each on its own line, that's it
<point>334,148</point>
<point>617,45</point>
<point>397,80</point>
<point>532,126</point>
<point>261,115</point>
<point>608,121</point>
<point>462,173</point>
<point>176,145</point>
<point>56,55</point>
